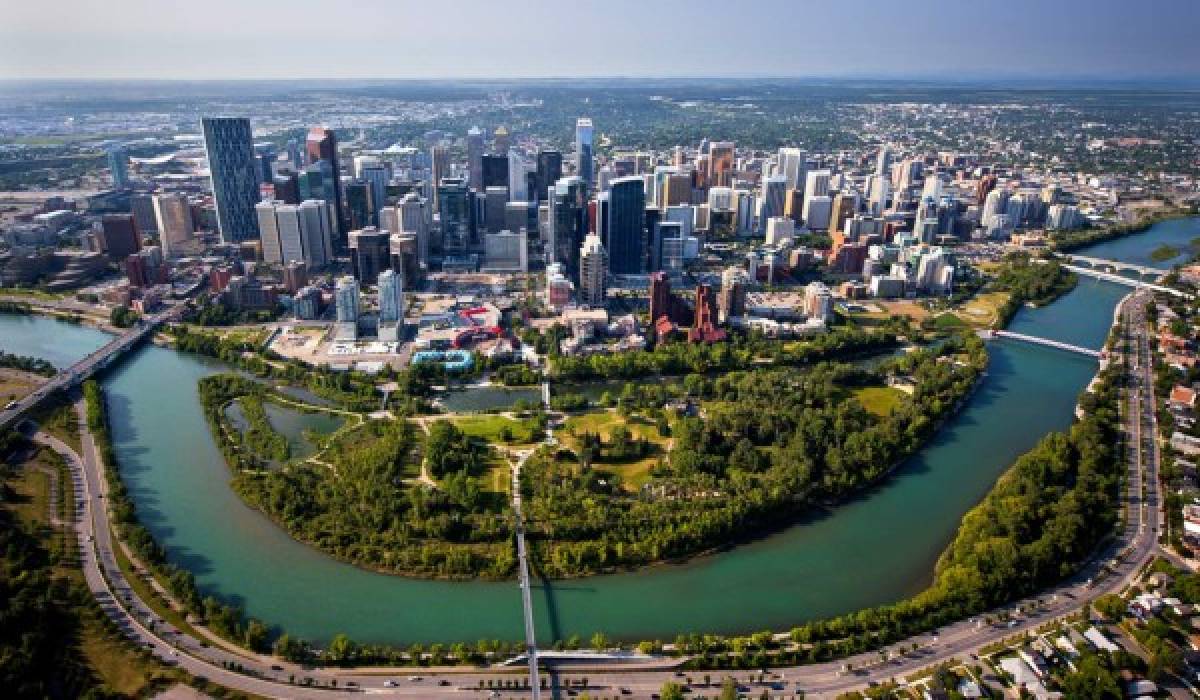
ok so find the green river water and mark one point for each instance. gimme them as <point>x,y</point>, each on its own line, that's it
<point>875,549</point>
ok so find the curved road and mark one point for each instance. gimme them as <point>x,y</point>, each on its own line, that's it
<point>1110,572</point>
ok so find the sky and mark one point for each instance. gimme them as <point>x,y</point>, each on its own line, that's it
<point>432,39</point>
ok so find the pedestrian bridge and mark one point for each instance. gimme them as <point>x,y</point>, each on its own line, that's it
<point>1127,281</point>
<point>1117,266</point>
<point>1057,344</point>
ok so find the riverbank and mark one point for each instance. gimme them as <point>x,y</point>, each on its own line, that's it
<point>1069,241</point>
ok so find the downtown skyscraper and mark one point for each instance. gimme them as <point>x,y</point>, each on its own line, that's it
<point>321,146</point>
<point>584,154</point>
<point>229,144</point>
<point>626,223</point>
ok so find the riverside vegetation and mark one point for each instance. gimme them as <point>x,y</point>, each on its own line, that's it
<point>384,497</point>
<point>1042,519</point>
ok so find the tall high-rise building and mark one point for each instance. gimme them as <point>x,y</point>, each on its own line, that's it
<point>373,171</point>
<point>439,169</point>
<point>321,144</point>
<point>660,297</point>
<point>415,216</point>
<point>118,166</point>
<point>626,222</point>
<point>883,162</point>
<point>345,300</point>
<point>121,236</point>
<point>518,177</point>
<point>295,155</point>
<point>676,190</point>
<point>142,208</point>
<point>792,165</point>
<point>774,199</point>
<point>494,168</point>
<point>593,271</point>
<point>816,184</point>
<point>370,254</point>
<point>704,322</point>
<point>391,305</point>
<point>295,276</point>
<point>494,200</point>
<point>721,156</point>
<point>230,147</point>
<point>549,170</point>
<point>318,228</point>
<point>286,187</point>
<point>475,156</point>
<point>360,204</point>
<point>584,154</point>
<point>501,140</point>
<point>818,301</point>
<point>173,216</point>
<point>454,206</point>
<point>568,223</point>
<point>731,301</point>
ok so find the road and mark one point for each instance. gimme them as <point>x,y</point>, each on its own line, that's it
<point>81,370</point>
<point>1109,572</point>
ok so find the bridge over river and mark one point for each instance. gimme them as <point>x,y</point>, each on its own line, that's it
<point>77,373</point>
<point>1078,349</point>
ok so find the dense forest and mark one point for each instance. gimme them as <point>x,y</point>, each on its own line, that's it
<point>769,444</point>
<point>1044,518</point>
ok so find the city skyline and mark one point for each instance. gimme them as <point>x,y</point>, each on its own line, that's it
<point>137,39</point>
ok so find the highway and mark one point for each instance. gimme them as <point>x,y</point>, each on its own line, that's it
<point>1110,571</point>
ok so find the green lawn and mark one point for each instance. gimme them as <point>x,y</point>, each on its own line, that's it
<point>879,400</point>
<point>948,321</point>
<point>633,474</point>
<point>981,311</point>
<point>602,423</point>
<point>492,427</point>
<point>31,500</point>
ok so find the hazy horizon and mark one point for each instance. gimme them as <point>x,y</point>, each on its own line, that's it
<point>373,40</point>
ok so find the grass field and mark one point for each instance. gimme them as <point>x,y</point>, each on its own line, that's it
<point>603,422</point>
<point>879,400</point>
<point>31,500</point>
<point>491,428</point>
<point>981,311</point>
<point>633,474</point>
<point>948,322</point>
<point>58,419</point>
<point>15,385</point>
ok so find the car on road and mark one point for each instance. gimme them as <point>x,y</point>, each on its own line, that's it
<point>390,684</point>
<point>276,667</point>
<point>414,679</point>
<point>443,682</point>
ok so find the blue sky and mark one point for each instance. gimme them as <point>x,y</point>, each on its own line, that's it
<point>218,39</point>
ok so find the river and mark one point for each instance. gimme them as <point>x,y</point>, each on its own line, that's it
<point>876,549</point>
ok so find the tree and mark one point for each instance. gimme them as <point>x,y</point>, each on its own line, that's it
<point>342,648</point>
<point>256,635</point>
<point>1091,681</point>
<point>600,641</point>
<point>729,690</point>
<point>671,691</point>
